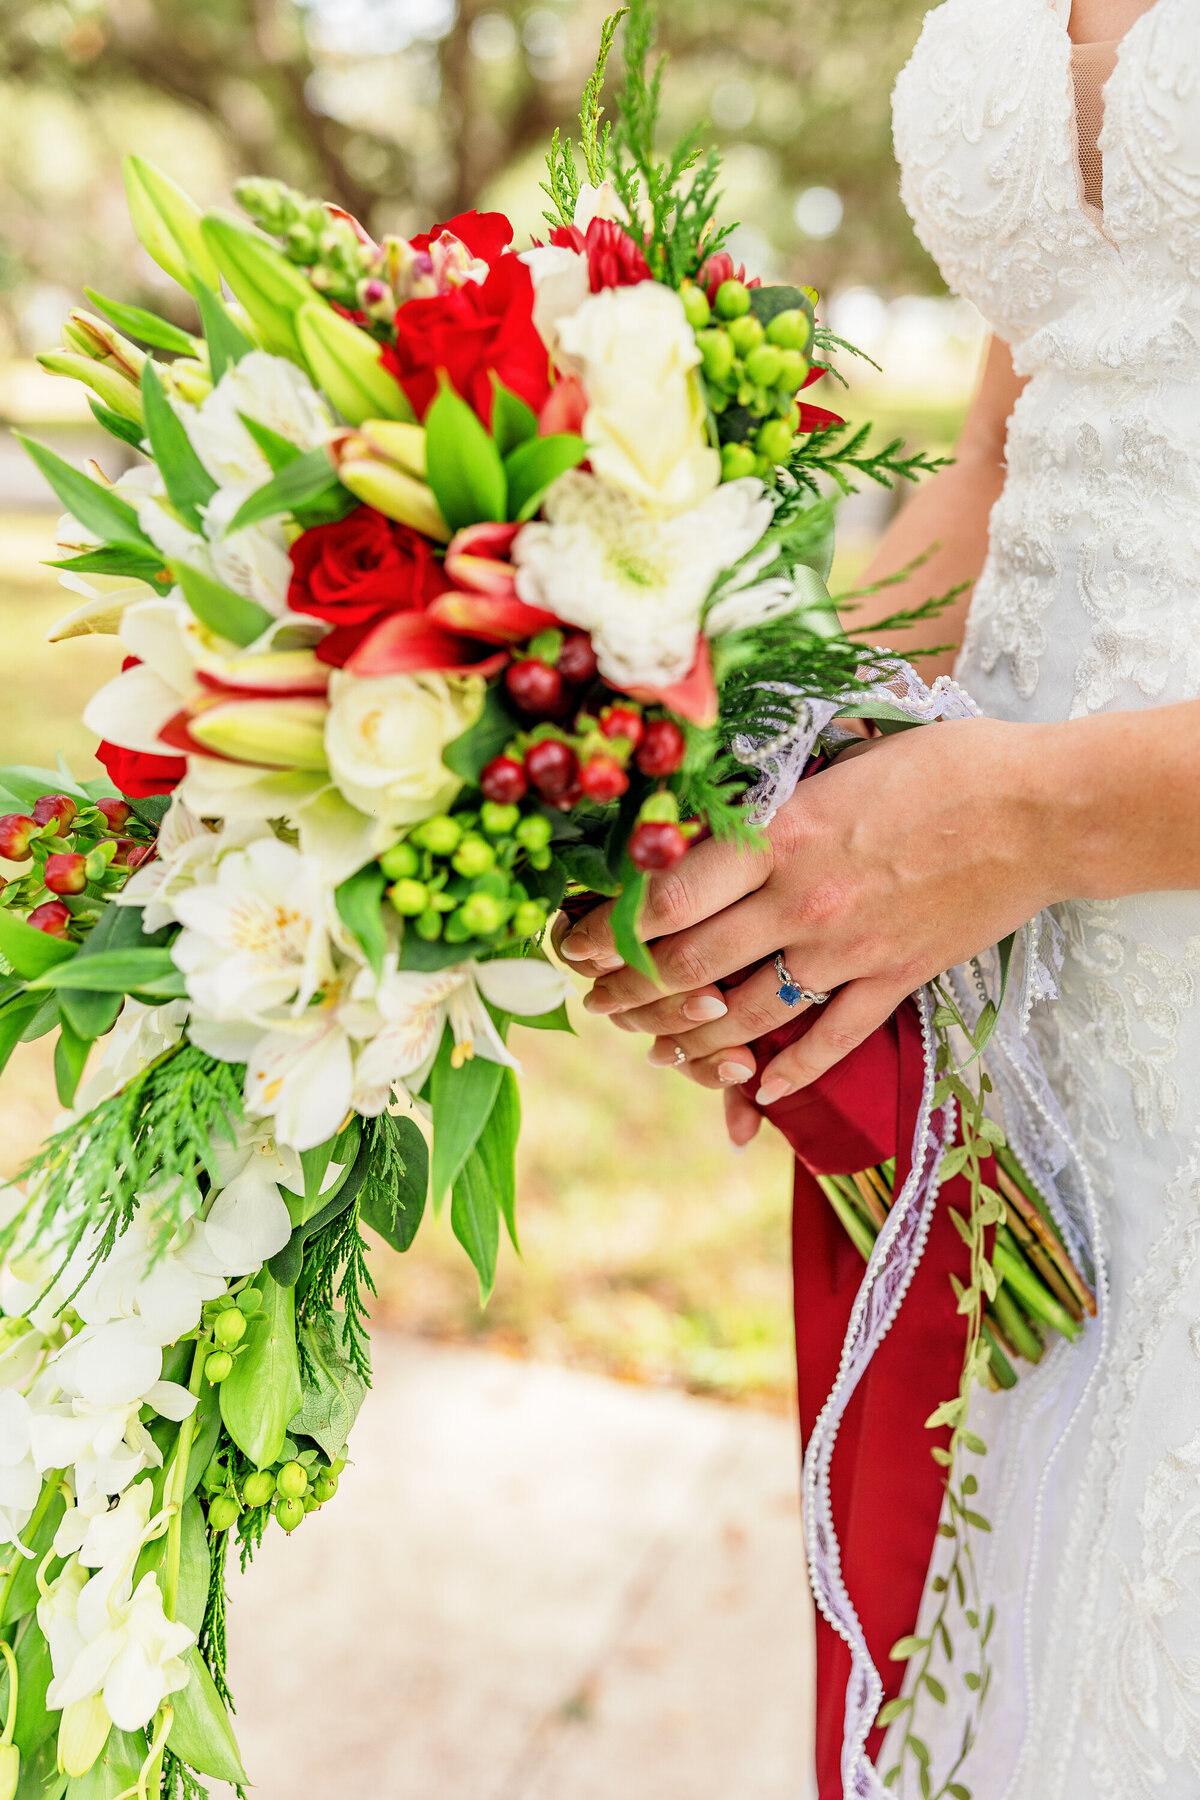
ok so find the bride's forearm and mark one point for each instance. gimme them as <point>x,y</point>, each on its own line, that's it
<point>1121,796</point>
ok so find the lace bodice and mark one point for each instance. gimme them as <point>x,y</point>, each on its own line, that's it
<point>985,135</point>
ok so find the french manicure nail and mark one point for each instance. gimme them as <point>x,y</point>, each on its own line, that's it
<point>600,1003</point>
<point>732,1073</point>
<point>702,1009</point>
<point>737,1149</point>
<point>774,1088</point>
<point>576,949</point>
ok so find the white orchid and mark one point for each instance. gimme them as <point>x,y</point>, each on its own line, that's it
<point>257,936</point>
<point>105,1447</point>
<point>20,1481</point>
<point>131,1652</point>
<point>646,426</point>
<point>58,1615</point>
<point>635,580</point>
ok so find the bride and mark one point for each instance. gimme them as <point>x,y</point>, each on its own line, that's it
<point>1050,156</point>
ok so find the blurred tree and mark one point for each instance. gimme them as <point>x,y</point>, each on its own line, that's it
<point>405,109</point>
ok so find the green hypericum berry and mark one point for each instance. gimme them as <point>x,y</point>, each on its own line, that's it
<point>290,1513</point>
<point>528,919</point>
<point>791,330</point>
<point>292,1481</point>
<point>429,925</point>
<point>716,354</point>
<point>661,808</point>
<point>310,1503</point>
<point>774,440</point>
<point>737,460</point>
<point>793,370</point>
<point>534,832</point>
<point>440,834</point>
<point>474,856</point>
<point>338,1466</point>
<point>218,1365</point>
<point>746,334</point>
<point>400,861</point>
<point>481,915</point>
<point>230,1328</point>
<point>223,1512</point>
<point>733,299</point>
<point>499,820</point>
<point>325,1487</point>
<point>540,859</point>
<point>764,365</point>
<point>259,1489</point>
<point>695,305</point>
<point>249,1300</point>
<point>410,898</point>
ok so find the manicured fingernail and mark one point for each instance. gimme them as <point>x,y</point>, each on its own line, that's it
<point>665,1056</point>
<point>774,1088</point>
<point>600,1003</point>
<point>732,1073</point>
<point>577,948</point>
<point>737,1149</point>
<point>702,1009</point>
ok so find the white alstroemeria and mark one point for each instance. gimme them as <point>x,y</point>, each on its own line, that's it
<point>133,707</point>
<point>414,1009</point>
<point>138,1038</point>
<point>384,738</point>
<point>635,580</point>
<point>20,1481</point>
<point>254,561</point>
<point>28,1289</point>
<point>256,937</point>
<point>646,425</point>
<point>186,851</point>
<point>561,284</point>
<point>299,1072</point>
<point>132,1653</point>
<point>273,392</point>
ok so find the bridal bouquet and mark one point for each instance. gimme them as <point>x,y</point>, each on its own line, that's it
<point>452,581</point>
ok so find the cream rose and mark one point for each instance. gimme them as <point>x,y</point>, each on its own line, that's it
<point>636,355</point>
<point>385,735</point>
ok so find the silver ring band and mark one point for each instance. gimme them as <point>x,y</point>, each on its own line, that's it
<point>790,992</point>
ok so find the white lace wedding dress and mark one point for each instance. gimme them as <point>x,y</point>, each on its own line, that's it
<point>1090,602</point>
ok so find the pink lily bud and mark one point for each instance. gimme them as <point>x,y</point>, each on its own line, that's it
<point>477,558</point>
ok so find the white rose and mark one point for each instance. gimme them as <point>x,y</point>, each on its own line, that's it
<point>561,284</point>
<point>645,425</point>
<point>385,735</point>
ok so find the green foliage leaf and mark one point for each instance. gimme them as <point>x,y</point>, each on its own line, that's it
<point>533,467</point>
<point>117,972</point>
<point>34,1722</point>
<point>935,1688</point>
<point>14,1021</point>
<point>360,908</point>
<point>419,953</point>
<point>332,1387</point>
<point>767,302</point>
<point>116,424</point>
<point>194,1565</point>
<point>586,864</point>
<point>302,483</point>
<point>513,423</point>
<point>462,1100</point>
<point>496,1151</point>
<point>92,1012</point>
<point>230,615</point>
<point>97,508</point>
<point>463,465</point>
<point>286,1265</point>
<point>189,484</point>
<point>227,342</point>
<point>624,921</point>
<point>116,559</point>
<point>262,1391</point>
<point>114,1771</point>
<point>892,1709</point>
<point>201,1734</point>
<point>29,951</point>
<point>145,326</point>
<point>70,1056</point>
<point>205,1437</point>
<point>475,1218</point>
<point>467,756</point>
<point>40,1779</point>
<point>278,450</point>
<point>397,1183</point>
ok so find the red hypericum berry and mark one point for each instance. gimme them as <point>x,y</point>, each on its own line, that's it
<point>572,797</point>
<point>16,833</point>
<point>603,778</point>
<point>656,844</point>
<point>577,659</point>
<point>116,813</point>
<point>535,687</point>
<point>661,750</point>
<point>129,853</point>
<point>552,766</point>
<point>504,780</point>
<point>52,917</point>
<point>66,873</point>
<point>55,809</point>
<point>622,721</point>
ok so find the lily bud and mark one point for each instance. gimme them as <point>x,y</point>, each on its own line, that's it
<point>271,289</point>
<point>186,378</point>
<point>395,441</point>
<point>116,391</point>
<point>82,1734</point>
<point>345,365</point>
<point>10,1771</point>
<point>167,223</point>
<point>281,734</point>
<point>95,337</point>
<point>378,481</point>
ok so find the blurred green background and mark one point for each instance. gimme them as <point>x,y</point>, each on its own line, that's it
<point>650,1250</point>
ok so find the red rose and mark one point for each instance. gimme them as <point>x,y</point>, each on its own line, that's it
<point>354,573</point>
<point>471,333</point>
<point>614,258</point>
<point>138,774</point>
<point>486,235</point>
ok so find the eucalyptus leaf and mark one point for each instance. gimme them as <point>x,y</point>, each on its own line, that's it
<point>262,1390</point>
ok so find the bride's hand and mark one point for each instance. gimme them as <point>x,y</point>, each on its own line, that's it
<point>878,874</point>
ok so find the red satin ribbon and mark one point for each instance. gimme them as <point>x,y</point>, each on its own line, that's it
<point>886,1489</point>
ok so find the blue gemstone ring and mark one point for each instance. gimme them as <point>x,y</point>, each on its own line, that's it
<point>790,992</point>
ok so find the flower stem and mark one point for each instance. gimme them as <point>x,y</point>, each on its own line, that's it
<point>45,1501</point>
<point>150,1783</point>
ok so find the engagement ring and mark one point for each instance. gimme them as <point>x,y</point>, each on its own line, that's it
<point>790,993</point>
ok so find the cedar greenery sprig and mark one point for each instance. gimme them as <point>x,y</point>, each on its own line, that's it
<point>594,141</point>
<point>840,453</point>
